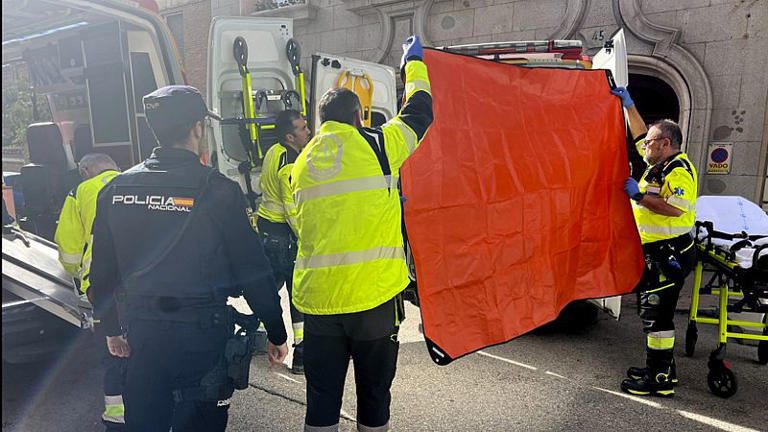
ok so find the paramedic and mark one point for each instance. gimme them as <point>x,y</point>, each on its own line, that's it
<point>73,235</point>
<point>171,242</point>
<point>350,269</point>
<point>664,205</point>
<point>276,214</point>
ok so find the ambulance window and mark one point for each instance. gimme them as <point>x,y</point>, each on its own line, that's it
<point>106,87</point>
<point>109,110</point>
<point>176,25</point>
<point>143,78</point>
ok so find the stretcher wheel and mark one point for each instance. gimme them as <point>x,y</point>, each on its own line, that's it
<point>722,381</point>
<point>691,336</point>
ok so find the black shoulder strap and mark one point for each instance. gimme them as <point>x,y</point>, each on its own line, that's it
<point>677,163</point>
<point>375,138</point>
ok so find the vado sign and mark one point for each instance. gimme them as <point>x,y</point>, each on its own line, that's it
<point>719,161</point>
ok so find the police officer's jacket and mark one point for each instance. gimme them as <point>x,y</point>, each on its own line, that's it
<point>276,200</point>
<point>348,212</point>
<point>674,180</point>
<point>73,231</point>
<point>171,237</point>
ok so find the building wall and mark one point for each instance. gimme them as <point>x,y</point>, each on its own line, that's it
<point>711,52</point>
<point>196,19</point>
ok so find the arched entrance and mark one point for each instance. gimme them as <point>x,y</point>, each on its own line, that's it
<point>655,99</point>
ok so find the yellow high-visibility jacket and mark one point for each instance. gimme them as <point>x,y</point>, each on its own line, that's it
<point>276,200</point>
<point>348,212</point>
<point>73,233</point>
<point>675,181</point>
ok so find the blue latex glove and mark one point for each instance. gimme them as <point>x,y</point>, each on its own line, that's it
<point>412,50</point>
<point>623,94</point>
<point>633,189</point>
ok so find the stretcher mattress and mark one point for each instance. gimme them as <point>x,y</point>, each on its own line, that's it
<point>514,202</point>
<point>735,215</point>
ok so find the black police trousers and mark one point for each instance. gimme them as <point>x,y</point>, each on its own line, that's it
<point>280,248</point>
<point>114,382</point>
<point>168,356</point>
<point>369,338</point>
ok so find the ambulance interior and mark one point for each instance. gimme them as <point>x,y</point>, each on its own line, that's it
<point>92,63</point>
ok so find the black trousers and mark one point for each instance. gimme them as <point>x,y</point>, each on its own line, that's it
<point>369,338</point>
<point>280,248</point>
<point>662,281</point>
<point>114,378</point>
<point>168,356</point>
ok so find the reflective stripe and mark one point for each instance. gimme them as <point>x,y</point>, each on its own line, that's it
<point>661,340</point>
<point>343,187</point>
<point>364,428</point>
<point>660,288</point>
<point>676,201</point>
<point>412,86</point>
<point>664,230</point>
<point>114,410</point>
<point>272,206</point>
<point>349,258</point>
<point>113,400</point>
<point>408,134</point>
<point>298,332</point>
<point>332,428</point>
<point>70,258</point>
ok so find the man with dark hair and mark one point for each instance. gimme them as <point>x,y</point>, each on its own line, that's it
<point>350,268</point>
<point>73,238</point>
<point>276,213</point>
<point>664,205</point>
<point>171,242</point>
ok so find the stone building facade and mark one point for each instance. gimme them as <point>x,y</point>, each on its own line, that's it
<point>701,62</point>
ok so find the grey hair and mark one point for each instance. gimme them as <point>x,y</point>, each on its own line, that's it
<point>670,129</point>
<point>97,162</point>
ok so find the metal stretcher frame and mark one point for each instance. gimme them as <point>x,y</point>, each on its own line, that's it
<point>728,281</point>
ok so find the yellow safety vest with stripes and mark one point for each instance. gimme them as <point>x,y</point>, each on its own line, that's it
<point>348,212</point>
<point>276,200</point>
<point>675,180</point>
<point>73,232</point>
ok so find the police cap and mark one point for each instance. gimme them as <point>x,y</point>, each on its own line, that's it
<point>175,106</point>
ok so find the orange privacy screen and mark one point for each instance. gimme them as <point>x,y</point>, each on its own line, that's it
<point>515,203</point>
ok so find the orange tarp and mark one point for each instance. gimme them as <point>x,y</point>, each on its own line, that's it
<point>514,201</point>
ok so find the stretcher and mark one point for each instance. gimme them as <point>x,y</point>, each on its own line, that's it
<point>732,265</point>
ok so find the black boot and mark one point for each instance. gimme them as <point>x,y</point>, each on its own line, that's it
<point>636,373</point>
<point>297,366</point>
<point>657,376</point>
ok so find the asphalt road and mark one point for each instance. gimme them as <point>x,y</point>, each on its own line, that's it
<point>548,381</point>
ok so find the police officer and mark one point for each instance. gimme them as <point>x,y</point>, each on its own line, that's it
<point>664,205</point>
<point>171,242</point>
<point>350,268</point>
<point>73,238</point>
<point>276,213</point>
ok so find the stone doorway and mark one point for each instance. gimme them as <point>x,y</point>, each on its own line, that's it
<point>655,99</point>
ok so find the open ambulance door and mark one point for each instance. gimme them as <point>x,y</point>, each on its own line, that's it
<point>613,56</point>
<point>237,144</point>
<point>375,85</point>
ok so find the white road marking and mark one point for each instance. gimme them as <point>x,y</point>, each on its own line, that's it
<point>629,396</point>
<point>709,421</point>
<point>555,375</point>
<point>506,360</point>
<point>288,378</point>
